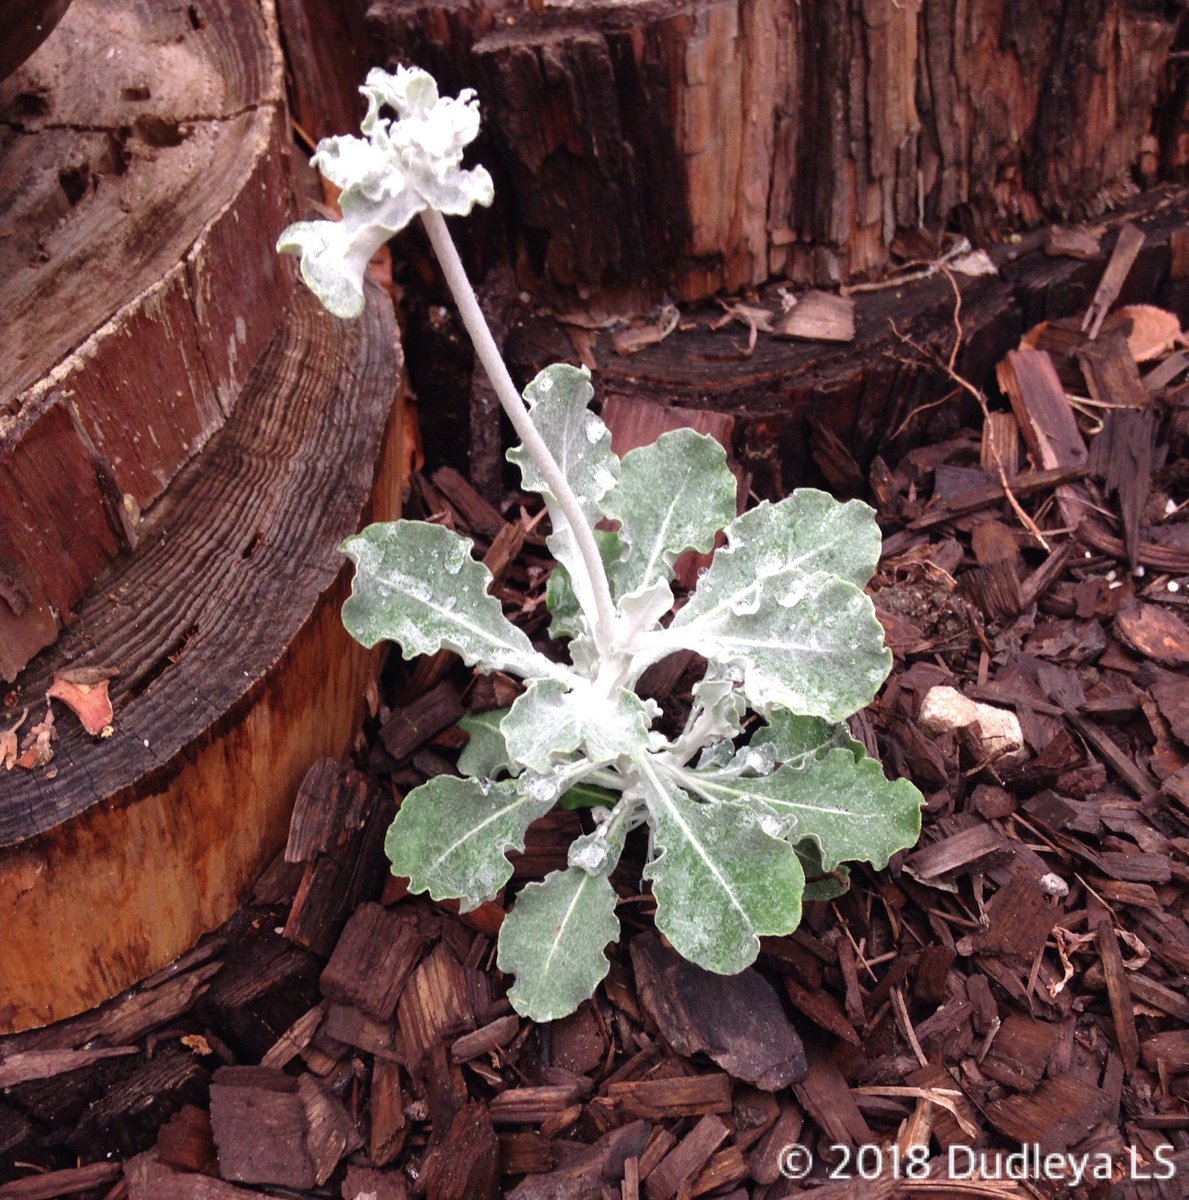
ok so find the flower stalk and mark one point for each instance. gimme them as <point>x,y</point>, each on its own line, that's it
<point>513,405</point>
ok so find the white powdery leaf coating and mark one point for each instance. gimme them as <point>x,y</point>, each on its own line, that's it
<point>451,836</point>
<point>568,619</point>
<point>486,753</point>
<point>846,806</point>
<point>796,739</point>
<point>715,716</point>
<point>815,647</point>
<point>554,942</point>
<point>581,445</point>
<point>418,585</point>
<point>720,881</point>
<point>671,496</point>
<point>781,545</point>
<point>400,168</point>
<point>549,721</point>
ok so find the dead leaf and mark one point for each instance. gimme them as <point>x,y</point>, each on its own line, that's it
<point>1073,242</point>
<point>819,317</point>
<point>974,264</point>
<point>37,748</point>
<point>632,341</point>
<point>1150,331</point>
<point>84,692</point>
<point>9,746</point>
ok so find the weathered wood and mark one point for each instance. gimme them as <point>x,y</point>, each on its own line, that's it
<point>737,1020</point>
<point>114,860</point>
<point>377,950</point>
<point>147,154</point>
<point>696,145</point>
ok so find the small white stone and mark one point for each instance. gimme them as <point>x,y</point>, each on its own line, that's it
<point>1053,885</point>
<point>1173,586</point>
<point>945,708</point>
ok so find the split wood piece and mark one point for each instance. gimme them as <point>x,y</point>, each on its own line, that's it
<point>337,831</point>
<point>1020,1053</point>
<point>435,1002</point>
<point>1171,693</point>
<point>1000,445</point>
<point>1059,1114</point>
<point>128,1114</point>
<point>829,1102</point>
<point>674,1174</point>
<point>271,1128</point>
<point>1121,454</point>
<point>683,1096</point>
<point>1050,430</point>
<point>234,674</point>
<point>54,1184</point>
<point>147,151</point>
<point>765,1161</point>
<point>478,514</point>
<point>185,1141</point>
<point>150,1179</point>
<point>1127,247</point>
<point>389,1125</point>
<point>1123,764</point>
<point>795,142</point>
<point>366,1183</point>
<point>1030,483</point>
<point>874,393</point>
<point>589,1170</point>
<point>498,1033</point>
<point>465,1164</point>
<point>1149,554</point>
<point>1118,992</point>
<point>736,1020</point>
<point>265,985</point>
<point>377,950</point>
<point>1155,632</point>
<point>1019,920</point>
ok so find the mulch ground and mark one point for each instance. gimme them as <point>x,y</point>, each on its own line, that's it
<point>1019,978</point>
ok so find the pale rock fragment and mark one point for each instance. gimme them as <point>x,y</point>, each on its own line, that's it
<point>999,736</point>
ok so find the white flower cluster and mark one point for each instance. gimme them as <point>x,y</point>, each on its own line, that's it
<point>398,169</point>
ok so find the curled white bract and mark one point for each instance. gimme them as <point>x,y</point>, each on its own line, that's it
<point>399,168</point>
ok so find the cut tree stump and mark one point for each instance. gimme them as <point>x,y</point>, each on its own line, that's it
<point>877,395</point>
<point>144,150</point>
<point>234,674</point>
<point>688,146</point>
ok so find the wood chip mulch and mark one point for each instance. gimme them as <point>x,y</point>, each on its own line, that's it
<point>1018,978</point>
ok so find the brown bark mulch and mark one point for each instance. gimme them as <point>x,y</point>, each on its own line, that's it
<point>1018,979</point>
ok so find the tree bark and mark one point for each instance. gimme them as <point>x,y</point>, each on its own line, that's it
<point>145,153</point>
<point>693,146</point>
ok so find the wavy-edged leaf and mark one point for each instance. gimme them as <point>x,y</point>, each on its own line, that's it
<point>715,715</point>
<point>567,617</point>
<point>807,533</point>
<point>845,805</point>
<point>485,756</point>
<point>554,942</point>
<point>796,739</point>
<point>850,810</point>
<point>451,836</point>
<point>548,721</point>
<point>671,496</point>
<point>821,884</point>
<point>813,645</point>
<point>417,584</point>
<point>721,881</point>
<point>581,444</point>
